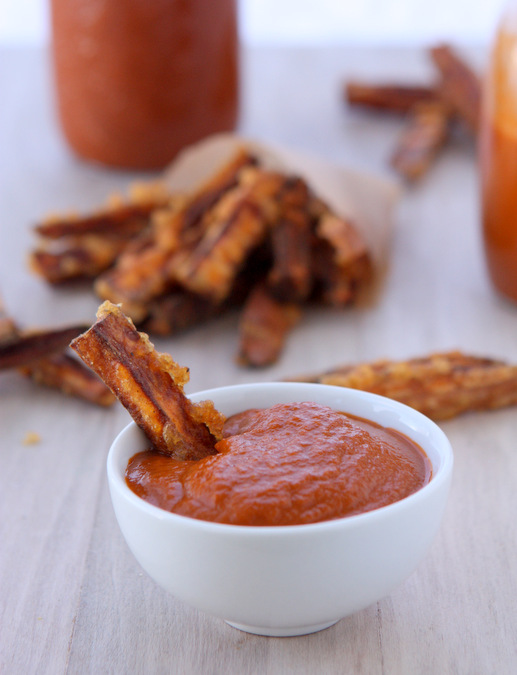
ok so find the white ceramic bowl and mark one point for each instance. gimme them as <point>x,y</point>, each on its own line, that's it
<point>296,579</point>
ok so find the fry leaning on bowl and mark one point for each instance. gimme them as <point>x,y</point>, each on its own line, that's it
<point>293,558</point>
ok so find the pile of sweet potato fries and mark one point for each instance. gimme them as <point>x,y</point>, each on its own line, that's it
<point>248,237</point>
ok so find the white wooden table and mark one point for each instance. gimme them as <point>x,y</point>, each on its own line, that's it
<point>72,598</point>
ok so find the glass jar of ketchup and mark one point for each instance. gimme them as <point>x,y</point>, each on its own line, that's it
<point>498,157</point>
<point>137,80</point>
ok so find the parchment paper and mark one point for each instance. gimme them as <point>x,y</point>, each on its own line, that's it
<point>369,201</point>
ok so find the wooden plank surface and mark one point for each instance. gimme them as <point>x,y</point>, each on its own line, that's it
<point>72,598</point>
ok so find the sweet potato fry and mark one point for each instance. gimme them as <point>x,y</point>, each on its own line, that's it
<point>238,224</point>
<point>149,385</point>
<point>211,191</point>
<point>139,275</point>
<point>290,277</point>
<point>71,376</point>
<point>264,325</point>
<point>75,258</point>
<point>460,87</point>
<point>173,313</point>
<point>341,260</point>
<point>395,98</point>
<point>75,247</point>
<point>40,356</point>
<point>441,385</point>
<point>29,347</point>
<point>124,222</point>
<point>180,310</point>
<point>424,134</point>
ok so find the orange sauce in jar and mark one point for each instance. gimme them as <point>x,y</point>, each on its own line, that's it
<point>498,163</point>
<point>290,464</point>
<point>137,80</point>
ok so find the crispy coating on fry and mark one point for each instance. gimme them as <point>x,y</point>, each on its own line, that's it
<point>237,225</point>
<point>75,258</point>
<point>149,385</point>
<point>290,276</point>
<point>28,347</point>
<point>180,310</point>
<point>460,86</point>
<point>424,134</point>
<point>83,247</point>
<point>211,191</point>
<point>145,269</point>
<point>190,225</point>
<point>124,221</point>
<point>264,325</point>
<point>177,311</point>
<point>40,356</point>
<point>139,275</point>
<point>71,376</point>
<point>396,98</point>
<point>341,260</point>
<point>441,385</point>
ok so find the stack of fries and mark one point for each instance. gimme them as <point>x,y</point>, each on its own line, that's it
<point>431,112</point>
<point>247,237</point>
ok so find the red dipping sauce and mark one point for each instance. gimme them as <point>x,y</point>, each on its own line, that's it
<point>287,465</point>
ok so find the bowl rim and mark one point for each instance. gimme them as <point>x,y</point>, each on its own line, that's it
<point>442,475</point>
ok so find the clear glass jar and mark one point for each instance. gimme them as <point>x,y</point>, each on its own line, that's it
<point>137,80</point>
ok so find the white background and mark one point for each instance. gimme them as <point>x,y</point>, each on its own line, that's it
<point>382,22</point>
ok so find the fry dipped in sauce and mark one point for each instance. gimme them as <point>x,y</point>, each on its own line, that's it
<point>290,464</point>
<point>149,385</point>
